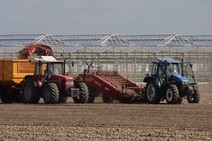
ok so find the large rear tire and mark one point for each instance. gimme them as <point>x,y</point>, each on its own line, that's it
<point>152,93</point>
<point>195,97</point>
<point>84,93</point>
<point>30,92</point>
<point>172,95</point>
<point>50,93</point>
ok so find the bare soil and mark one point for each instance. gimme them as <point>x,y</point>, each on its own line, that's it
<point>101,121</point>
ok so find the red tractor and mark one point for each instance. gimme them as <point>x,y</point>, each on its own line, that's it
<point>28,81</point>
<point>50,82</point>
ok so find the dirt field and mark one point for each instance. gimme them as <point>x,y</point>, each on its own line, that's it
<point>100,121</point>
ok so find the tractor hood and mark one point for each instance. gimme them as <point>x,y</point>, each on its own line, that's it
<point>179,79</point>
<point>65,77</point>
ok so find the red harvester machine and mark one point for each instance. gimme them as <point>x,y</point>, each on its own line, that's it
<point>111,85</point>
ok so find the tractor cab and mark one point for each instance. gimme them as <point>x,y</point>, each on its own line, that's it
<point>172,80</point>
<point>169,70</point>
<point>49,69</point>
<point>166,70</point>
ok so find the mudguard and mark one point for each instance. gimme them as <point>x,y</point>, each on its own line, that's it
<point>155,79</point>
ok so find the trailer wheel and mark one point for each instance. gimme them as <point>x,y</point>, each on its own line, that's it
<point>50,93</point>
<point>30,92</point>
<point>153,96</point>
<point>107,99</point>
<point>83,97</point>
<point>172,94</point>
<point>195,97</point>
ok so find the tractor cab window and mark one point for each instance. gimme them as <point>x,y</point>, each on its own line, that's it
<point>55,68</point>
<point>161,70</point>
<point>155,69</point>
<point>158,69</point>
<point>174,69</point>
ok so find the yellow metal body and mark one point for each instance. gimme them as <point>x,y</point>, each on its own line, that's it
<point>15,70</point>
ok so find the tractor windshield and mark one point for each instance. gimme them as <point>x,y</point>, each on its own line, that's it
<point>174,69</point>
<point>55,68</point>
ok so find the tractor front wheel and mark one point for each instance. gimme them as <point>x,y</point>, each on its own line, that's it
<point>92,94</point>
<point>63,97</point>
<point>172,95</point>
<point>195,97</point>
<point>50,93</point>
<point>153,96</point>
<point>84,93</point>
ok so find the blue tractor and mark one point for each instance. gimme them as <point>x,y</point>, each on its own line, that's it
<point>171,80</point>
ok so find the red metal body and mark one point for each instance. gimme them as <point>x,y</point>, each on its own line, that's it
<point>111,84</point>
<point>38,49</point>
<point>64,82</point>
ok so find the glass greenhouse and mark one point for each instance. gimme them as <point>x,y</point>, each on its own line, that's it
<point>130,55</point>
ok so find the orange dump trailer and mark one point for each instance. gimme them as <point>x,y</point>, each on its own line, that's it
<point>12,73</point>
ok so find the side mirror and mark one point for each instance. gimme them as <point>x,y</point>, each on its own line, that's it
<point>191,65</point>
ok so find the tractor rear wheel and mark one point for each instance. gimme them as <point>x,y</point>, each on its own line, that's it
<point>195,97</point>
<point>50,93</point>
<point>172,95</point>
<point>83,97</point>
<point>30,92</point>
<point>107,99</point>
<point>152,93</point>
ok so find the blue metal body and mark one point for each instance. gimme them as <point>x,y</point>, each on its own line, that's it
<point>179,80</point>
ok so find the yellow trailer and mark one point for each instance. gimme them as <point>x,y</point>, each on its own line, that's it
<point>12,73</point>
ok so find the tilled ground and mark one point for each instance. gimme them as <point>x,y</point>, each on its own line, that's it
<point>100,121</point>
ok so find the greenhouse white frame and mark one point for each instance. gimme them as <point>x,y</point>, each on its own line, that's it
<point>131,55</point>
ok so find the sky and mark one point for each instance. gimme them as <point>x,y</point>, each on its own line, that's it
<point>188,17</point>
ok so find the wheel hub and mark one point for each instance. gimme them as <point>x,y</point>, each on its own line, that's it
<point>151,92</point>
<point>169,95</point>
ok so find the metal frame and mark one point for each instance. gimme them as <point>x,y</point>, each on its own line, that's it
<point>128,54</point>
<point>102,41</point>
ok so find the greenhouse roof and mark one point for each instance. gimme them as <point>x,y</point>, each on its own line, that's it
<point>107,42</point>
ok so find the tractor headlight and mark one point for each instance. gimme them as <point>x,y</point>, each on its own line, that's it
<point>69,83</point>
<point>185,82</point>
